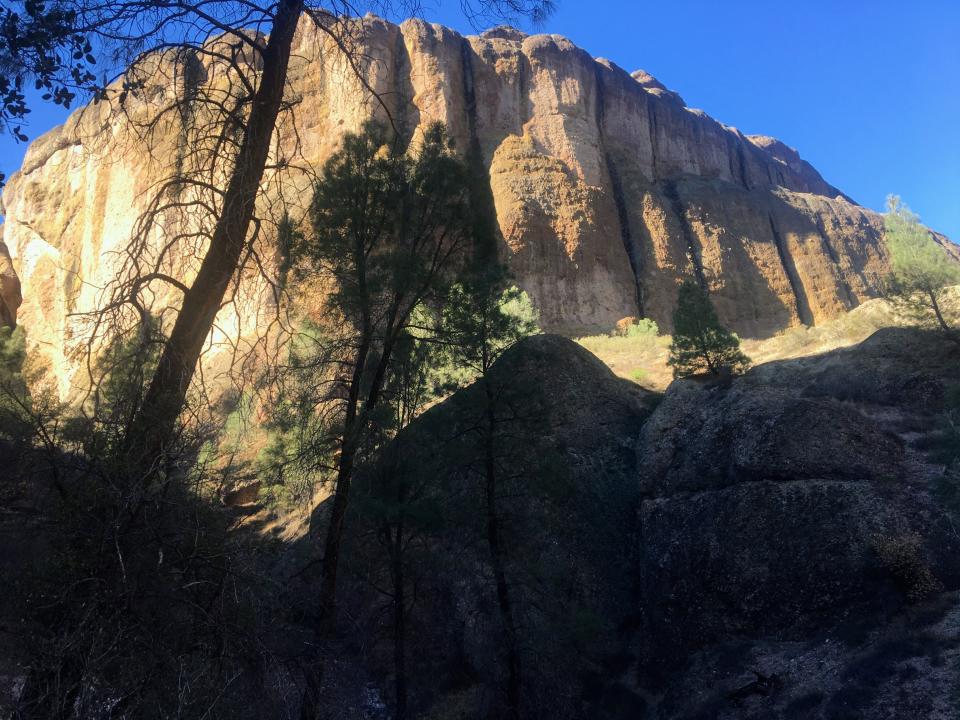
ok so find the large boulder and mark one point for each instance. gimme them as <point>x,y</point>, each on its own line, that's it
<point>775,522</point>
<point>786,505</point>
<point>566,504</point>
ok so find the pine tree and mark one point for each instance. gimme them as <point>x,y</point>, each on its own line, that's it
<point>388,232</point>
<point>482,320</point>
<point>700,342</point>
<point>231,141</point>
<point>922,268</point>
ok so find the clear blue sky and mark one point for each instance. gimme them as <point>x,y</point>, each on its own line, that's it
<point>867,91</point>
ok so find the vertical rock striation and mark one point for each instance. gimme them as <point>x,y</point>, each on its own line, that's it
<point>607,190</point>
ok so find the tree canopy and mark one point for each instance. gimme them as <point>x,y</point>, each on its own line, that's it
<point>700,342</point>
<point>389,229</point>
<point>229,130</point>
<point>921,268</point>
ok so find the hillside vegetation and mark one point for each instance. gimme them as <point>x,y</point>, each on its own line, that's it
<point>642,357</point>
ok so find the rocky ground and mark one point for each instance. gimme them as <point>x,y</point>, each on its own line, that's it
<point>779,545</point>
<point>784,552</point>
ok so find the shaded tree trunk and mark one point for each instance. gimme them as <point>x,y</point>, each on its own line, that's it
<point>938,312</point>
<point>494,541</point>
<point>399,623</point>
<point>153,427</point>
<point>705,351</point>
<point>338,513</point>
<point>355,420</point>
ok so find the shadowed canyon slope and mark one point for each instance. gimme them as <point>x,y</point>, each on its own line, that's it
<point>607,188</point>
<point>775,546</point>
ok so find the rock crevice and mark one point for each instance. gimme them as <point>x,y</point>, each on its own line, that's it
<point>790,270</point>
<point>605,188</point>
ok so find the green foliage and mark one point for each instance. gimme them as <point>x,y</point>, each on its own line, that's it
<point>13,353</point>
<point>287,237</point>
<point>918,261</point>
<point>119,383</point>
<point>644,327</point>
<point>516,304</point>
<point>700,342</point>
<point>302,433</point>
<point>386,226</point>
<point>388,231</point>
<point>481,319</point>
<point>41,42</point>
<point>921,268</point>
<point>627,347</point>
<point>128,608</point>
<point>15,400</point>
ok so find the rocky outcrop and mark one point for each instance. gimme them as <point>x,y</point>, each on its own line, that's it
<point>10,297</point>
<point>788,508</point>
<point>607,189</point>
<point>774,546</point>
<point>783,483</point>
<point>566,498</point>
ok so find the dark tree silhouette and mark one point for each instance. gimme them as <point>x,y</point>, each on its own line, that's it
<point>232,143</point>
<point>700,342</point>
<point>478,328</point>
<point>388,231</point>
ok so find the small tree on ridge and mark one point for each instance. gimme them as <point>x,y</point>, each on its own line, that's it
<point>922,269</point>
<point>700,342</point>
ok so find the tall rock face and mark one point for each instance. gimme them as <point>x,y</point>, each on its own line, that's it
<point>607,189</point>
<point>10,298</point>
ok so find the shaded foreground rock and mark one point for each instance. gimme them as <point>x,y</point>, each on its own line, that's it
<point>770,524</point>
<point>772,547</point>
<point>567,500</point>
<point>769,510</point>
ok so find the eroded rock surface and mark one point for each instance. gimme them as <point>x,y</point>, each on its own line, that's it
<point>778,523</point>
<point>10,297</point>
<point>562,447</point>
<point>770,506</point>
<point>607,189</point>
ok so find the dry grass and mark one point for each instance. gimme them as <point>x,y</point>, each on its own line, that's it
<point>849,329</point>
<point>643,359</point>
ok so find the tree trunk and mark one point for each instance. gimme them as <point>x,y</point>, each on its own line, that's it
<point>153,427</point>
<point>341,492</point>
<point>935,304</point>
<point>399,624</point>
<point>497,560</point>
<point>356,418</point>
<point>331,546</point>
<point>705,352</point>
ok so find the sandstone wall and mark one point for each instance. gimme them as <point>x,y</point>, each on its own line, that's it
<point>607,189</point>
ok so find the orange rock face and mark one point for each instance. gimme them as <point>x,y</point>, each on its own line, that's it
<point>608,190</point>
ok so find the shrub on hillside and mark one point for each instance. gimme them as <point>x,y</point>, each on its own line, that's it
<point>635,327</point>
